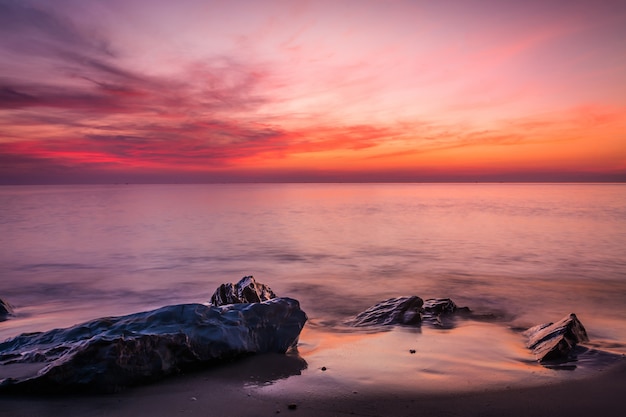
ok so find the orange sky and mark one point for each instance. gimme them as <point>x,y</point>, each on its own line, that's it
<point>372,90</point>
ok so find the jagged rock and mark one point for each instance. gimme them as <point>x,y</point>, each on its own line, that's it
<point>6,310</point>
<point>437,306</point>
<point>408,310</point>
<point>400,310</point>
<point>556,341</point>
<point>109,353</point>
<point>435,309</point>
<point>247,290</point>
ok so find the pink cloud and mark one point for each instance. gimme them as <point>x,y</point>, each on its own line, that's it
<point>190,89</point>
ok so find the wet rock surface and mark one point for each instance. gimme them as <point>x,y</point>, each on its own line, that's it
<point>247,290</point>
<point>6,310</point>
<point>437,310</point>
<point>399,310</point>
<point>106,354</point>
<point>556,341</point>
<point>409,311</point>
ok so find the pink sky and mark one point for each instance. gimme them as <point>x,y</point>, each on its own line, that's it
<point>380,90</point>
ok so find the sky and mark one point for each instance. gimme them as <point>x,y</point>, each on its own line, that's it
<point>151,91</point>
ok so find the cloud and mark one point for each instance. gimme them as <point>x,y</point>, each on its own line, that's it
<point>191,145</point>
<point>14,96</point>
<point>52,62</point>
<point>11,98</point>
<point>25,27</point>
<point>102,97</point>
<point>105,115</point>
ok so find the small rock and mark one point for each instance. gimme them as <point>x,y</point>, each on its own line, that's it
<point>410,311</point>
<point>323,368</point>
<point>436,309</point>
<point>292,406</point>
<point>247,290</point>
<point>412,351</point>
<point>399,310</point>
<point>556,341</point>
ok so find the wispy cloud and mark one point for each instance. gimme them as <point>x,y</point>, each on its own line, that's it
<point>309,87</point>
<point>33,30</point>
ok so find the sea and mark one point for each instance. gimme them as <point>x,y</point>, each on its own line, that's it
<point>517,254</point>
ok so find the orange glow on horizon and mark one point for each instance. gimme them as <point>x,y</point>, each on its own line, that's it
<point>320,91</point>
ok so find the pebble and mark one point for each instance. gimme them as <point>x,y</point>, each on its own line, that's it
<point>412,351</point>
<point>323,368</point>
<point>292,406</point>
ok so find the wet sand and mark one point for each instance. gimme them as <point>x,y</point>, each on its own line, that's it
<point>219,393</point>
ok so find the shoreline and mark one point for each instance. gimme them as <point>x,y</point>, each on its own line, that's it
<point>224,391</point>
<point>367,374</point>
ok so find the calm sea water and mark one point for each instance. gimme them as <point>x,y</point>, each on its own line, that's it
<point>526,253</point>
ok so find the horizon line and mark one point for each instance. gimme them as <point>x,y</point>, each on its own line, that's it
<point>310,182</point>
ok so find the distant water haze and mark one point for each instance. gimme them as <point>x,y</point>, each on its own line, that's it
<point>521,253</point>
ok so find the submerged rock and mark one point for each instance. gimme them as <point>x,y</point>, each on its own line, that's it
<point>399,310</point>
<point>556,341</point>
<point>6,310</point>
<point>112,352</point>
<point>247,290</point>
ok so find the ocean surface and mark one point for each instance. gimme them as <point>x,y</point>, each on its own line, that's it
<point>522,254</point>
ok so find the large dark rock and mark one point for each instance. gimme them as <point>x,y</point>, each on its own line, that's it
<point>247,290</point>
<point>109,353</point>
<point>556,341</point>
<point>6,310</point>
<point>400,310</point>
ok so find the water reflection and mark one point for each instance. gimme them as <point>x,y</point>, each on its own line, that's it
<point>267,368</point>
<point>585,357</point>
<point>470,357</point>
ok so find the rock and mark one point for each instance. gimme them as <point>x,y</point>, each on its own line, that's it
<point>556,341</point>
<point>6,310</point>
<point>247,290</point>
<point>435,309</point>
<point>113,352</point>
<point>408,310</point>
<point>400,310</point>
<point>437,306</point>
